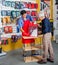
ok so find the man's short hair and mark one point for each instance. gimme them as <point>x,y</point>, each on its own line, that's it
<point>22,12</point>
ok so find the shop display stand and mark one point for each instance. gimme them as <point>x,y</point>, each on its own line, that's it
<point>2,52</point>
<point>31,58</point>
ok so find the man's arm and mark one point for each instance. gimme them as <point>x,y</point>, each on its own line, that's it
<point>39,26</point>
<point>20,25</point>
<point>26,34</point>
<point>21,29</point>
<point>34,25</point>
<point>30,18</point>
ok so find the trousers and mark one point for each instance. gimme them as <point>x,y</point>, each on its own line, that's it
<point>47,46</point>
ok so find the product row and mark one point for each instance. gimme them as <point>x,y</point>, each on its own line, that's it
<point>10,29</point>
<point>14,14</point>
<point>14,39</point>
<point>20,5</point>
<point>11,16</point>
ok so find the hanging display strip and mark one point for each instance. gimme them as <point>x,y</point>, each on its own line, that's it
<point>10,8</point>
<point>9,35</point>
<point>23,0</point>
<point>13,24</point>
<point>7,8</point>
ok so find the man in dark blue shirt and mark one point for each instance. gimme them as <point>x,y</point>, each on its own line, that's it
<point>47,46</point>
<point>46,27</point>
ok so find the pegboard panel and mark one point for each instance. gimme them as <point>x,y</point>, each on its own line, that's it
<point>9,7</point>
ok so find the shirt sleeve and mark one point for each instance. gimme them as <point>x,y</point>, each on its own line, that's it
<point>20,23</point>
<point>30,18</point>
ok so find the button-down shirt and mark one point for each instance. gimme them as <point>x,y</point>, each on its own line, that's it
<point>46,26</point>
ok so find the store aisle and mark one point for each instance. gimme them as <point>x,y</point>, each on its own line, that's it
<point>15,58</point>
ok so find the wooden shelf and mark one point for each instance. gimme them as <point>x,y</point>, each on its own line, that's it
<point>31,37</point>
<point>32,48</point>
<point>32,58</point>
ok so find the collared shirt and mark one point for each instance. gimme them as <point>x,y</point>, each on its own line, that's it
<point>21,21</point>
<point>46,26</point>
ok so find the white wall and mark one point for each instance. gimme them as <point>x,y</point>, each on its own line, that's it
<point>54,17</point>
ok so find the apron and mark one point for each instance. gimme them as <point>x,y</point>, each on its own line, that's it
<point>26,29</point>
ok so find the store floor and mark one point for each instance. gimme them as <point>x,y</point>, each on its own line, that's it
<point>15,58</point>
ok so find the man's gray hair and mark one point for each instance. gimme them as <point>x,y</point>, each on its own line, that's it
<point>44,14</point>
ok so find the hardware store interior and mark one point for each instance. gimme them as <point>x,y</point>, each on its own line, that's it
<point>25,28</point>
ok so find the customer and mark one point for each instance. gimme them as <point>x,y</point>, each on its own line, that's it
<point>47,46</point>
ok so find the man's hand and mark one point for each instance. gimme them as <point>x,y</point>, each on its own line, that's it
<point>39,32</point>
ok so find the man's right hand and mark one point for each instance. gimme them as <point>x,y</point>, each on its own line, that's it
<point>39,32</point>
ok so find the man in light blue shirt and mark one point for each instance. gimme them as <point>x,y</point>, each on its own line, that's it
<point>21,22</point>
<point>21,19</point>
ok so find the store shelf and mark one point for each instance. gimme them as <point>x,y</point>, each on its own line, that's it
<point>9,34</point>
<point>6,8</point>
<point>11,8</point>
<point>12,24</point>
<point>32,58</point>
